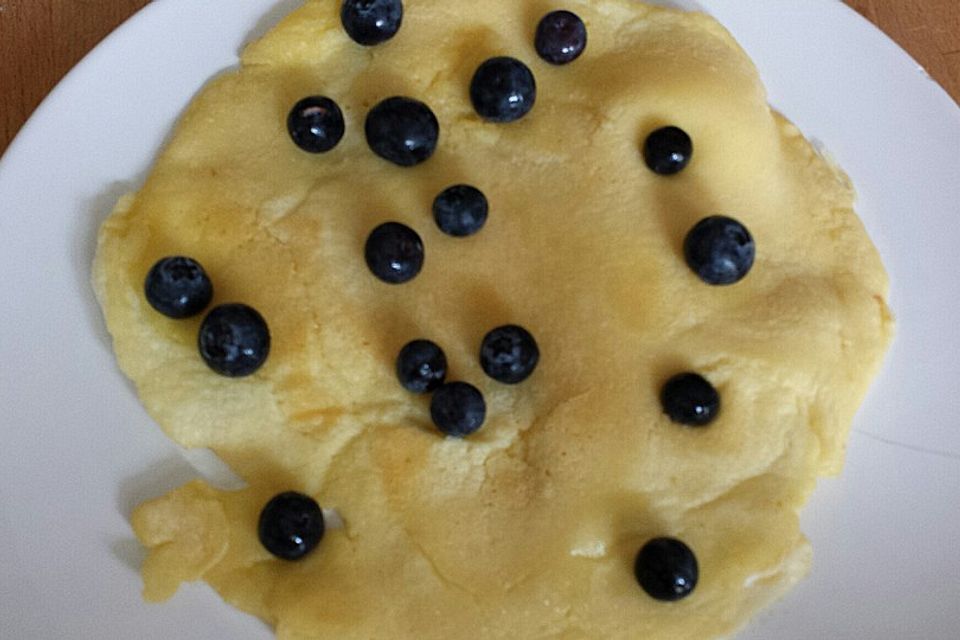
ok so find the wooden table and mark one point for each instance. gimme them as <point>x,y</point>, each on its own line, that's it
<point>41,39</point>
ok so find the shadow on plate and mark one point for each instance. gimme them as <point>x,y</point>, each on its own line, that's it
<point>130,552</point>
<point>685,5</point>
<point>160,478</point>
<point>98,209</point>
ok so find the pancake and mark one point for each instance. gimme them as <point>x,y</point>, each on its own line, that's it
<point>530,526</point>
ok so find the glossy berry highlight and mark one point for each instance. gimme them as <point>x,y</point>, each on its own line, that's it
<point>178,287</point>
<point>291,525</point>
<point>403,131</point>
<point>315,124</point>
<point>394,253</point>
<point>371,22</point>
<point>689,399</point>
<point>421,366</point>
<point>561,37</point>
<point>667,569</point>
<point>503,90</point>
<point>234,340</point>
<point>668,151</point>
<point>720,250</point>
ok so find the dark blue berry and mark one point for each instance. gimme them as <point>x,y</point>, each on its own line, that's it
<point>509,354</point>
<point>460,210</point>
<point>178,287</point>
<point>668,151</point>
<point>689,399</point>
<point>316,124</point>
<point>666,569</point>
<point>370,22</point>
<point>458,409</point>
<point>234,340</point>
<point>291,525</point>
<point>421,366</point>
<point>561,37</point>
<point>394,253</point>
<point>720,250</point>
<point>503,90</point>
<point>403,131</point>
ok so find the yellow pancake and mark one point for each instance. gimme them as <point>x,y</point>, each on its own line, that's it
<point>529,527</point>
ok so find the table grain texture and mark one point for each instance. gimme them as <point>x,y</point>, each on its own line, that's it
<point>40,40</point>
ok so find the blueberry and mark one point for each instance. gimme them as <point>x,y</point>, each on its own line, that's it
<point>370,22</point>
<point>509,354</point>
<point>178,287</point>
<point>403,131</point>
<point>503,90</point>
<point>458,409</point>
<point>460,210</point>
<point>394,253</point>
<point>668,151</point>
<point>421,366</point>
<point>234,340</point>
<point>316,124</point>
<point>689,399</point>
<point>720,250</point>
<point>561,37</point>
<point>666,569</point>
<point>291,525</point>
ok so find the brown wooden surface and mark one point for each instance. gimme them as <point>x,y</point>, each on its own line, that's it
<point>928,29</point>
<point>41,39</point>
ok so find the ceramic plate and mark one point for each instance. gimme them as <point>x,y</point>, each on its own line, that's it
<point>78,451</point>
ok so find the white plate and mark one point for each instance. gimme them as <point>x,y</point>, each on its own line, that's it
<point>77,450</point>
